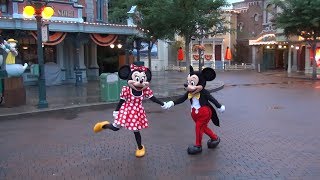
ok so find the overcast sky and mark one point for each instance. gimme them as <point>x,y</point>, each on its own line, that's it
<point>232,1</point>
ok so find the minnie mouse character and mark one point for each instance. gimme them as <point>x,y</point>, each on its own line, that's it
<point>130,113</point>
<point>201,110</point>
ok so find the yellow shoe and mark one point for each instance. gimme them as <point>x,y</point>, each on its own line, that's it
<point>140,152</point>
<point>98,126</point>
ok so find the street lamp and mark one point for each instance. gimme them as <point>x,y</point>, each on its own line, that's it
<point>39,10</point>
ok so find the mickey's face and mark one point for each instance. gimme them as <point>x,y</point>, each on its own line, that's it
<point>196,81</point>
<point>193,85</point>
<point>138,81</point>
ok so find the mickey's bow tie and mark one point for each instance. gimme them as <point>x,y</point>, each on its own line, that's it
<point>190,95</point>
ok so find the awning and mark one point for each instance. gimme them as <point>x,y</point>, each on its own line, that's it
<point>54,39</point>
<point>103,40</point>
<point>264,39</point>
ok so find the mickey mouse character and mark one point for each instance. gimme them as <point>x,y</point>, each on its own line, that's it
<point>201,110</point>
<point>130,113</point>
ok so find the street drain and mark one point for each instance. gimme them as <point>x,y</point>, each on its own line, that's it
<point>276,107</point>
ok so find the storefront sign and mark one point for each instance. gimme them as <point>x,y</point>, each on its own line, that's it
<point>65,13</point>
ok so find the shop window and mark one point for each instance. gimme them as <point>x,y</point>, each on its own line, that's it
<point>3,7</point>
<point>99,8</point>
<point>28,52</point>
<point>317,56</point>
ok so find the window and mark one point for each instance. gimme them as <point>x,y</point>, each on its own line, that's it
<point>269,13</point>
<point>240,27</point>
<point>256,17</point>
<point>3,6</point>
<point>99,8</point>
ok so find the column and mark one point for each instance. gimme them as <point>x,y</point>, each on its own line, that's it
<point>254,51</point>
<point>80,68</point>
<point>295,60</point>
<point>60,59</point>
<point>93,70</point>
<point>289,60</point>
<point>307,61</point>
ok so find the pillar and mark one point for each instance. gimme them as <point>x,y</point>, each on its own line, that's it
<point>61,60</point>
<point>289,60</point>
<point>307,60</point>
<point>80,68</point>
<point>295,60</point>
<point>254,50</point>
<point>93,70</point>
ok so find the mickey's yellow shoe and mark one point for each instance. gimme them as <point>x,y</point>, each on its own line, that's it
<point>140,152</point>
<point>98,126</point>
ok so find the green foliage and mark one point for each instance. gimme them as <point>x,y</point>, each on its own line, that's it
<point>299,17</point>
<point>117,10</point>
<point>189,15</point>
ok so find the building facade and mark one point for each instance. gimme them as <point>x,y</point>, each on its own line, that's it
<point>79,38</point>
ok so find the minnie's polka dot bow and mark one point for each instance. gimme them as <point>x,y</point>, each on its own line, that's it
<point>139,68</point>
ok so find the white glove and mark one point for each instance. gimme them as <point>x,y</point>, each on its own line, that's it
<point>164,105</point>
<point>169,104</point>
<point>222,109</point>
<point>115,114</point>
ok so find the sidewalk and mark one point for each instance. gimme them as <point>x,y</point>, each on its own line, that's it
<point>165,85</point>
<point>296,75</point>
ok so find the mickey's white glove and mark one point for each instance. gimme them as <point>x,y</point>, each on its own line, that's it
<point>222,109</point>
<point>115,114</point>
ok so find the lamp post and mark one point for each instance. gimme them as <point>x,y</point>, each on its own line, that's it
<point>39,10</point>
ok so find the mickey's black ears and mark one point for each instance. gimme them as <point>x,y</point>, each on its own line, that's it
<point>209,74</point>
<point>124,72</point>
<point>191,69</point>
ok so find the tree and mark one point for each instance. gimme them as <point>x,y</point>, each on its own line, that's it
<point>153,22</point>
<point>300,18</point>
<point>150,18</point>
<point>196,19</point>
<point>117,11</point>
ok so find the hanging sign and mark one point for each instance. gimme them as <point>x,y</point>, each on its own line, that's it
<point>45,32</point>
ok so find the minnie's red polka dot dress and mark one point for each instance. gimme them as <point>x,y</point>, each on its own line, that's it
<point>132,115</point>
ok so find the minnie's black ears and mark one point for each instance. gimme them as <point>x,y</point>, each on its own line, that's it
<point>209,74</point>
<point>124,72</point>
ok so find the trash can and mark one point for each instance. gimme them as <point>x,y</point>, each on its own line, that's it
<point>121,83</point>
<point>138,63</point>
<point>109,87</point>
<point>34,69</point>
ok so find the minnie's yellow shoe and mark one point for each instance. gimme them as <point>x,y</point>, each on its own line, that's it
<point>98,126</point>
<point>140,152</point>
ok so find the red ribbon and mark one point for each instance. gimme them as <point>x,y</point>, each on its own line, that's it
<point>139,68</point>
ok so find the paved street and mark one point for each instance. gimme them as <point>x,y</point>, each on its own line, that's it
<point>270,130</point>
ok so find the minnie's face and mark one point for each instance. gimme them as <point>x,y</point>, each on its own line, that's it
<point>192,84</point>
<point>139,81</point>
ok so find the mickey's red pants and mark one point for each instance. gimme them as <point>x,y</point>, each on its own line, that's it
<point>202,118</point>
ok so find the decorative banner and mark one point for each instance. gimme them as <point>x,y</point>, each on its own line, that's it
<point>208,57</point>
<point>54,39</point>
<point>195,57</point>
<point>102,40</point>
<point>180,54</point>
<point>228,55</point>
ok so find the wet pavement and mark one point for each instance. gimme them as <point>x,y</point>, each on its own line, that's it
<point>270,130</point>
<point>164,84</point>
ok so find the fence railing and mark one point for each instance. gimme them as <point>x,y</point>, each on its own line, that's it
<point>226,66</point>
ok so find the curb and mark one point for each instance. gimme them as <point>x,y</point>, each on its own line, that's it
<point>80,108</point>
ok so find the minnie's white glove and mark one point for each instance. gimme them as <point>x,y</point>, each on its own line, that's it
<point>169,104</point>
<point>115,114</point>
<point>222,109</point>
